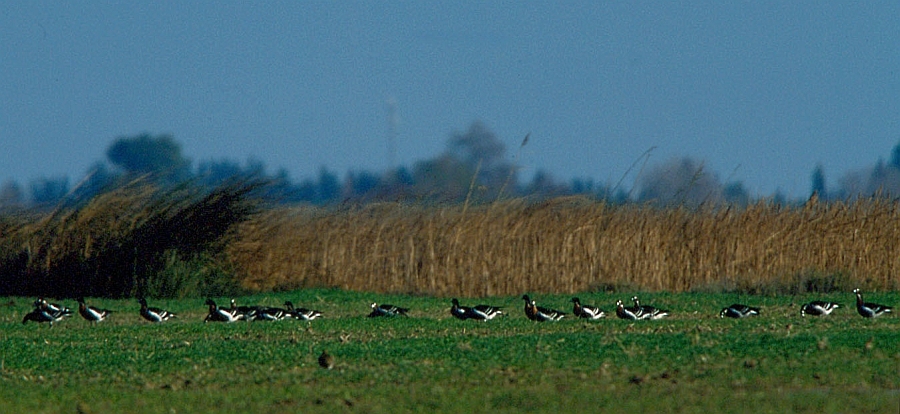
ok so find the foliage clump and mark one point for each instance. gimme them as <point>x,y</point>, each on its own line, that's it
<point>136,240</point>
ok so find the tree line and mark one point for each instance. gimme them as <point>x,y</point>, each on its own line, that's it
<point>474,167</point>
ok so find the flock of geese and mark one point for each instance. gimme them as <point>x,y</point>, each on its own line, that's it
<point>646,312</point>
<point>46,312</point>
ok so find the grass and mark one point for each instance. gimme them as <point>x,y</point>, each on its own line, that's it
<point>692,362</point>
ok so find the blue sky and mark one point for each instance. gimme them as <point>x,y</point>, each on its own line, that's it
<point>760,91</point>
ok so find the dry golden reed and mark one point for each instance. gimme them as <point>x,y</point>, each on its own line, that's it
<point>569,245</point>
<point>122,243</point>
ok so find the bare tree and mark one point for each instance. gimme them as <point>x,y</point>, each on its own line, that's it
<point>681,182</point>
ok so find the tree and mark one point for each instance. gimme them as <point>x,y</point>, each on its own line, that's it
<point>681,181</point>
<point>159,156</point>
<point>11,195</point>
<point>895,157</point>
<point>478,145</point>
<point>361,185</point>
<point>543,185</point>
<point>818,182</point>
<point>97,180</point>
<point>49,191</point>
<point>735,193</point>
<point>472,168</point>
<point>444,178</point>
<point>329,187</point>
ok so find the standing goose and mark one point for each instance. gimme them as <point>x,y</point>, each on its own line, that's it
<point>649,312</point>
<point>539,313</point>
<point>387,310</point>
<point>477,312</point>
<point>818,308</point>
<point>631,313</point>
<point>90,313</point>
<point>738,311</point>
<point>586,311</point>
<point>302,314</point>
<point>154,314</point>
<point>217,314</point>
<point>867,309</point>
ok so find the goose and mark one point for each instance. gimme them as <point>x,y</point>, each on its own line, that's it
<point>90,313</point>
<point>818,308</point>
<point>264,313</point>
<point>477,312</point>
<point>247,312</point>
<point>387,310</point>
<point>217,314</point>
<point>649,312</point>
<point>869,310</point>
<point>154,314</point>
<point>326,360</point>
<point>46,314</point>
<point>41,303</point>
<point>586,311</point>
<point>539,313</point>
<point>302,314</point>
<point>632,313</point>
<point>738,311</point>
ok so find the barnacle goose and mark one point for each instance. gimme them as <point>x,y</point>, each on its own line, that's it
<point>387,310</point>
<point>818,308</point>
<point>586,311</point>
<point>868,309</point>
<point>90,313</point>
<point>477,312</point>
<point>154,314</point>
<point>737,311</point>
<point>649,312</point>
<point>539,313</point>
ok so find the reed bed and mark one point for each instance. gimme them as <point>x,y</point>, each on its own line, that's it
<point>135,240</point>
<point>567,245</point>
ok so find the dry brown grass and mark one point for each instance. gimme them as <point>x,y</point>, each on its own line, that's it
<point>571,245</point>
<point>121,243</point>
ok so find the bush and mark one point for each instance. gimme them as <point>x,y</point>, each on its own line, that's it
<point>136,240</point>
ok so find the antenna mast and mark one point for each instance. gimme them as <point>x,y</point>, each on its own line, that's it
<point>393,120</point>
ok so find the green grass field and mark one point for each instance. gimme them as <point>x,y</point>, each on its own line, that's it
<point>431,362</point>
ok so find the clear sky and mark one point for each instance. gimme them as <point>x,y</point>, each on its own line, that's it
<point>761,91</point>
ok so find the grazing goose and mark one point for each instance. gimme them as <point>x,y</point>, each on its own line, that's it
<point>477,312</point>
<point>45,313</point>
<point>40,316</point>
<point>41,303</point>
<point>649,312</point>
<point>154,314</point>
<point>387,310</point>
<point>217,314</point>
<point>326,360</point>
<point>539,313</point>
<point>90,313</point>
<point>246,312</point>
<point>869,310</point>
<point>586,311</point>
<point>818,308</point>
<point>631,313</point>
<point>302,314</point>
<point>738,311</point>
